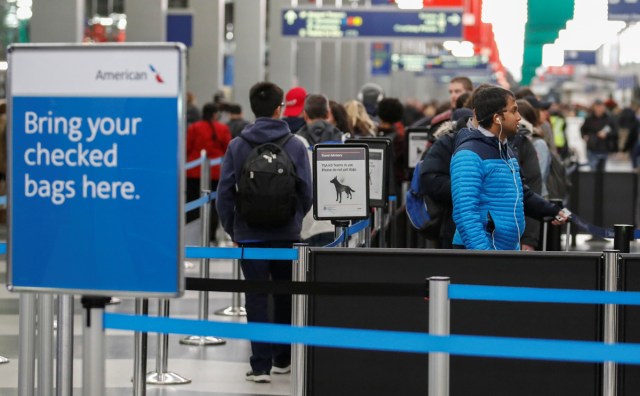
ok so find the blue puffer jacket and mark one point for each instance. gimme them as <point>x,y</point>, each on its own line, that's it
<point>487,193</point>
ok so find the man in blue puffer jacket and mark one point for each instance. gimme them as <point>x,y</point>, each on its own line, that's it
<point>489,199</point>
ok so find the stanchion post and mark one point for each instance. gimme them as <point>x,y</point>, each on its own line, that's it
<point>378,224</point>
<point>623,235</point>
<point>45,344</point>
<point>203,296</point>
<point>609,372</point>
<point>236,308</point>
<point>393,224</point>
<point>439,320</point>
<point>93,346</point>
<point>342,226</point>
<point>545,232</point>
<point>140,352</point>
<point>568,236</point>
<point>299,319</point>
<point>27,354</point>
<point>367,233</point>
<point>162,376</point>
<point>64,360</point>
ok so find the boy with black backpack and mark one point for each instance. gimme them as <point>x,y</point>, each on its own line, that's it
<point>264,193</point>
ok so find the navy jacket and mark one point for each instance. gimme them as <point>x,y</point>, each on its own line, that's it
<point>262,131</point>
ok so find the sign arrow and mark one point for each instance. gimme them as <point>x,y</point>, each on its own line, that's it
<point>454,19</point>
<point>291,17</point>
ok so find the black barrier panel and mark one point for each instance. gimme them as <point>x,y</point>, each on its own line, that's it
<point>351,372</point>
<point>630,322</point>
<point>618,198</point>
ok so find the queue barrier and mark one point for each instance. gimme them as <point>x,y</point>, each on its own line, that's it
<point>397,341</point>
<point>197,162</point>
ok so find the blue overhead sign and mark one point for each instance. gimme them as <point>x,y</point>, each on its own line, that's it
<point>95,183</point>
<point>625,10</point>
<point>419,62</point>
<point>579,57</point>
<point>376,23</point>
<point>380,59</point>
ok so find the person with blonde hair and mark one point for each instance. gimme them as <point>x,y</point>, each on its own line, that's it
<point>359,121</point>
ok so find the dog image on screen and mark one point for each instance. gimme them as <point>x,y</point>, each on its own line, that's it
<point>341,188</point>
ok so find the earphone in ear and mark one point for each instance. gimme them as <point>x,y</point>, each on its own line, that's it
<point>499,122</point>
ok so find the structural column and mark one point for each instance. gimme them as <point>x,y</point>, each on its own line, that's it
<point>60,21</point>
<point>330,71</point>
<point>250,29</point>
<point>282,51</point>
<point>206,56</point>
<point>146,20</point>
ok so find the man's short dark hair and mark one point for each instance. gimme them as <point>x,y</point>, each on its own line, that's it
<point>489,101</point>
<point>234,109</point>
<point>465,81</point>
<point>208,111</point>
<point>265,97</point>
<point>316,106</point>
<point>524,92</point>
<point>390,110</point>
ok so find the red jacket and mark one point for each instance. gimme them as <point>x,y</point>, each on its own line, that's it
<point>211,136</point>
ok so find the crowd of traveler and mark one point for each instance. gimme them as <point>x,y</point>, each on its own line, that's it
<point>494,157</point>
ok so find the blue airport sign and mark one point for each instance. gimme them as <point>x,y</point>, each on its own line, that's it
<point>445,62</point>
<point>579,57</point>
<point>624,10</point>
<point>95,169</point>
<point>372,23</point>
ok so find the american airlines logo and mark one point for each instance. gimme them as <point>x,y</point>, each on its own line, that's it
<point>128,75</point>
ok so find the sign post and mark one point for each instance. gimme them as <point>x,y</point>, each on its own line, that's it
<point>95,176</point>
<point>341,178</point>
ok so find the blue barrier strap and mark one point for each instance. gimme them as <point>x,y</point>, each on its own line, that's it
<point>200,201</point>
<point>530,294</point>
<point>193,164</point>
<point>237,253</point>
<point>3,248</point>
<point>270,254</point>
<point>355,228</point>
<point>215,161</point>
<point>3,200</point>
<point>577,351</point>
<point>213,252</point>
<point>393,198</point>
<point>595,230</point>
<point>196,204</point>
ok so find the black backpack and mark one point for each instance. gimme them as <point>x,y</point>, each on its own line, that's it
<point>266,196</point>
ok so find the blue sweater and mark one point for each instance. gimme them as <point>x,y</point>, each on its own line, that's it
<point>262,131</point>
<point>487,193</point>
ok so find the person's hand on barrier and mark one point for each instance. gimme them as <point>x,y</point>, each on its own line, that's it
<point>562,217</point>
<point>528,248</point>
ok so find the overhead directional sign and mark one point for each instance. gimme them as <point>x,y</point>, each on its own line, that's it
<point>579,57</point>
<point>376,23</point>
<point>420,62</point>
<point>625,10</point>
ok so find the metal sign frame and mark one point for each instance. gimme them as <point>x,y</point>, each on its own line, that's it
<point>413,152</point>
<point>383,144</point>
<point>340,150</point>
<point>107,229</point>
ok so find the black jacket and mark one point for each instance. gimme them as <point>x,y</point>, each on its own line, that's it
<point>592,125</point>
<point>531,176</point>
